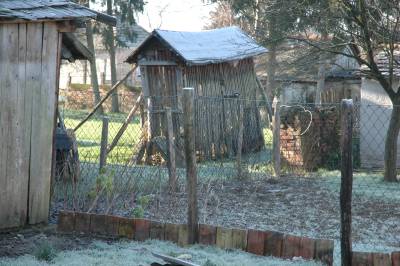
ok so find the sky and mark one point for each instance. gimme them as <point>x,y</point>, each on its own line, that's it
<point>180,15</point>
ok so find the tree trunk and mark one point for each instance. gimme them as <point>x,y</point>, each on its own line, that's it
<point>93,68</point>
<point>321,73</point>
<point>391,145</point>
<point>111,51</point>
<point>271,69</point>
<point>320,81</point>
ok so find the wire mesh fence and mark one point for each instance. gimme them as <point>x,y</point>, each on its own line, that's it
<point>237,183</point>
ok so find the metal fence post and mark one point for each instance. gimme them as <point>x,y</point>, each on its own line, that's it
<point>191,171</point>
<point>104,143</point>
<point>346,180</point>
<point>276,141</point>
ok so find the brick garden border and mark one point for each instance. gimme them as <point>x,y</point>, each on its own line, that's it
<point>264,243</point>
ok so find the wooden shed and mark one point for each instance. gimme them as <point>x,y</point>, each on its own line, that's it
<point>219,65</point>
<point>31,47</point>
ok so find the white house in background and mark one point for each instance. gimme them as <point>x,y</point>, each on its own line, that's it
<point>297,74</point>
<point>79,71</point>
<point>375,112</point>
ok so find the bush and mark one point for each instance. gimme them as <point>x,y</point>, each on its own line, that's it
<point>45,252</point>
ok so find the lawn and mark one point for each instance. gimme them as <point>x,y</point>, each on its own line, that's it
<point>89,139</point>
<point>89,136</point>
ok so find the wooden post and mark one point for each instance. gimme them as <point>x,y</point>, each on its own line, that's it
<point>85,68</point>
<point>142,113</point>
<point>103,144</point>
<point>171,150</point>
<point>190,155</point>
<point>69,80</point>
<point>276,149</point>
<point>347,180</point>
<point>240,141</point>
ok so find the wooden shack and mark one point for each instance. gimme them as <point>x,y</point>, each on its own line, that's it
<point>31,47</point>
<point>219,65</point>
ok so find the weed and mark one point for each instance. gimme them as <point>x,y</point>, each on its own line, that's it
<point>45,252</point>
<point>209,263</point>
<point>138,212</point>
<point>142,203</point>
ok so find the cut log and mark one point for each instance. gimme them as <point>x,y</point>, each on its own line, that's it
<point>173,261</point>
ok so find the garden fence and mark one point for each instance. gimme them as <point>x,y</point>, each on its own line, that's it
<point>238,182</point>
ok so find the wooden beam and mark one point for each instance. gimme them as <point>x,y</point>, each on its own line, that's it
<point>125,124</point>
<point>103,144</point>
<point>66,26</point>
<point>240,141</point>
<point>157,63</point>
<point>347,180</point>
<point>105,98</point>
<point>171,151</point>
<point>276,141</point>
<point>191,168</point>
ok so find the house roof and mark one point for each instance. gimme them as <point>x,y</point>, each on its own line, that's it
<point>205,47</point>
<point>298,62</point>
<point>382,60</point>
<point>34,10</point>
<point>122,32</point>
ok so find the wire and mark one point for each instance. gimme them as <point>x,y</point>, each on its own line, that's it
<point>306,111</point>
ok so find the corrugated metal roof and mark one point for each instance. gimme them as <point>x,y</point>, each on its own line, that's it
<point>207,47</point>
<point>48,10</point>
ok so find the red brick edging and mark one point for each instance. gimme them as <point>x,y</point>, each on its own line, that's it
<point>264,243</point>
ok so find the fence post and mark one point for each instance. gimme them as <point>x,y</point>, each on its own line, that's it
<point>103,143</point>
<point>171,150</point>
<point>346,180</point>
<point>69,81</point>
<point>276,141</point>
<point>190,156</point>
<point>240,140</point>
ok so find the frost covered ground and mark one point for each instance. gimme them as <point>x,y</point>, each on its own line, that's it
<point>99,252</point>
<point>300,206</point>
<point>291,204</point>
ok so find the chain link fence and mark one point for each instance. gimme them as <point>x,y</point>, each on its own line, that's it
<point>237,187</point>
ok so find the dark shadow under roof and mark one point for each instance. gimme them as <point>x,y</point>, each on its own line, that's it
<point>205,47</point>
<point>73,49</point>
<point>34,10</point>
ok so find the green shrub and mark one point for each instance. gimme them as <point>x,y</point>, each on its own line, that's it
<point>142,203</point>
<point>45,252</point>
<point>138,212</point>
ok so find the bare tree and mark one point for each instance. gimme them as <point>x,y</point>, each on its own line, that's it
<point>125,11</point>
<point>371,29</point>
<point>223,16</point>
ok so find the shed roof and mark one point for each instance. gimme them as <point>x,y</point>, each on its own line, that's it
<point>33,10</point>
<point>72,49</point>
<point>205,47</point>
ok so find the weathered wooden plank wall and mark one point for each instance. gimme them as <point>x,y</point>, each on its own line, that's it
<point>28,72</point>
<point>217,108</point>
<point>216,112</point>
